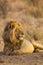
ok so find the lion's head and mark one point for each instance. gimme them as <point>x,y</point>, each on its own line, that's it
<point>14,32</point>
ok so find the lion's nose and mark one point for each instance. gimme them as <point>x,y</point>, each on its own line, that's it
<point>22,33</point>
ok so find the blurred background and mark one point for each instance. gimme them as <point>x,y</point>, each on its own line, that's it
<point>28,12</point>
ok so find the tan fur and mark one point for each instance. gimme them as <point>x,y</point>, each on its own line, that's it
<point>14,29</point>
<point>13,36</point>
<point>16,43</point>
<point>26,47</point>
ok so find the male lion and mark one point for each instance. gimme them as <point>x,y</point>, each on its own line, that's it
<point>14,39</point>
<point>16,43</point>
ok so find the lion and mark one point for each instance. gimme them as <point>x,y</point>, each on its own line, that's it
<point>14,39</point>
<point>15,42</point>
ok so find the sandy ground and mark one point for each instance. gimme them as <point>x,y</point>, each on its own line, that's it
<point>25,59</point>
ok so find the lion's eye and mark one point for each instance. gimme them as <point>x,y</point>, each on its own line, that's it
<point>17,30</point>
<point>18,24</point>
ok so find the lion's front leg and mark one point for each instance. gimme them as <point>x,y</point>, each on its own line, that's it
<point>17,52</point>
<point>26,47</point>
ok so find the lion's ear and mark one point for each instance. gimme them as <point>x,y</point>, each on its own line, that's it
<point>9,26</point>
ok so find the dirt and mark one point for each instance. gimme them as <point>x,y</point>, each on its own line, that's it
<point>25,59</point>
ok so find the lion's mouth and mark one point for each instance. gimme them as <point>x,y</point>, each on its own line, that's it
<point>20,37</point>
